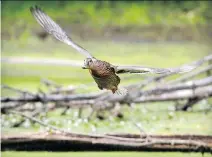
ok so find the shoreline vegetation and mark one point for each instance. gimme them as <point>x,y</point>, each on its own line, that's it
<point>137,20</point>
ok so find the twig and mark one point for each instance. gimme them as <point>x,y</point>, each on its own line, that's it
<point>188,76</point>
<point>50,83</point>
<point>18,90</point>
<point>189,103</point>
<point>33,114</point>
<point>65,110</point>
<point>39,122</point>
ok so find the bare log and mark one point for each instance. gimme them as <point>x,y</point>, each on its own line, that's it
<point>62,140</point>
<point>122,142</point>
<point>58,137</point>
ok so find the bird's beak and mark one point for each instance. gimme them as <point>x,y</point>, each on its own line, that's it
<point>84,67</point>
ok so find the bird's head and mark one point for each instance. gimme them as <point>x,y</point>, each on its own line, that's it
<point>88,62</point>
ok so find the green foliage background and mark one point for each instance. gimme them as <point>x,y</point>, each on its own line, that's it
<point>101,16</point>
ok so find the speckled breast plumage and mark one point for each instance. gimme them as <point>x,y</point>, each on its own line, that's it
<point>104,75</point>
<point>108,82</point>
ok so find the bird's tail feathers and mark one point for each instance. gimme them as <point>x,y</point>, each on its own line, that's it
<point>121,91</point>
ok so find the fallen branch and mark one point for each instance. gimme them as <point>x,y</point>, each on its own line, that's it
<point>203,92</point>
<point>61,140</point>
<point>51,98</point>
<point>80,100</point>
<point>64,97</point>
<point>181,86</point>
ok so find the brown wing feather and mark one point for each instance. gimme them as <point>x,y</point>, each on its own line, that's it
<point>54,29</point>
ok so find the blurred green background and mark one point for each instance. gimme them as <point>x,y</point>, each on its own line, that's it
<point>151,33</point>
<point>147,20</point>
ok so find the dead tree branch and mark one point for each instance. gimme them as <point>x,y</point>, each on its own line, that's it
<point>74,141</point>
<point>190,75</point>
<point>52,98</point>
<point>61,142</point>
<point>202,92</point>
<point>79,100</point>
<point>180,86</point>
<point>65,97</point>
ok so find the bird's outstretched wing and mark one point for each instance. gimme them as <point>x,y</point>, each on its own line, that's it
<point>141,69</point>
<point>53,28</point>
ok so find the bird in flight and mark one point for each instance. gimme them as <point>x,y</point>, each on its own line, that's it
<point>103,73</point>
